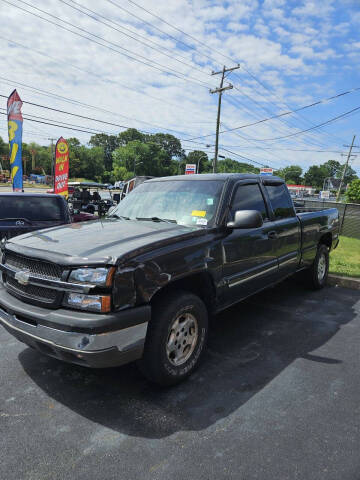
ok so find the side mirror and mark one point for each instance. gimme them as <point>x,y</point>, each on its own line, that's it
<point>246,219</point>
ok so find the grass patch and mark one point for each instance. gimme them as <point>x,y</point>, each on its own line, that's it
<point>345,259</point>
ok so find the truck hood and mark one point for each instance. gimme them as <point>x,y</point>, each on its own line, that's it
<point>99,241</point>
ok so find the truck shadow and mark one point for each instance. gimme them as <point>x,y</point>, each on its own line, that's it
<point>249,345</point>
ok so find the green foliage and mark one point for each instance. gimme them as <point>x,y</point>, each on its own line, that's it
<point>232,166</point>
<point>353,192</point>
<point>316,175</point>
<point>292,174</point>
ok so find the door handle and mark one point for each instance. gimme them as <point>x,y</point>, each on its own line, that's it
<point>272,235</point>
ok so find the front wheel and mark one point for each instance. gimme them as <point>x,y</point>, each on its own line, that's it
<point>176,338</point>
<point>318,273</point>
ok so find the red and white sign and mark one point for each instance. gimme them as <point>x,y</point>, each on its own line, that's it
<point>61,167</point>
<point>266,171</point>
<point>190,168</point>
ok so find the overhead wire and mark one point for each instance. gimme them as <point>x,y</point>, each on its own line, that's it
<point>141,59</point>
<point>157,49</point>
<point>208,48</point>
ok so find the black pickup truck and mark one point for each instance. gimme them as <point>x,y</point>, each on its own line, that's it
<point>141,284</point>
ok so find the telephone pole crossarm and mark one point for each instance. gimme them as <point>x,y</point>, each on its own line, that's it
<point>226,70</point>
<point>219,90</point>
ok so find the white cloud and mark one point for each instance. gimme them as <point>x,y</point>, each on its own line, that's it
<point>285,49</point>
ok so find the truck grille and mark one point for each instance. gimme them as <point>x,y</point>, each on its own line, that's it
<point>33,293</point>
<point>41,294</point>
<point>36,267</point>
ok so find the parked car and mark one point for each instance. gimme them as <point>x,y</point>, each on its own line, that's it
<point>25,212</point>
<point>141,284</point>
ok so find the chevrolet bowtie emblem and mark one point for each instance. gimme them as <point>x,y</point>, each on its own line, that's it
<point>22,277</point>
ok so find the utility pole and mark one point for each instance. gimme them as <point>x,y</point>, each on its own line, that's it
<point>220,90</point>
<point>346,166</point>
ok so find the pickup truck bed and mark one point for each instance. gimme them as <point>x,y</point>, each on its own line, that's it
<point>141,284</point>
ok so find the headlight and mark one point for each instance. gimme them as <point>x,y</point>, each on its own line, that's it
<point>97,276</point>
<point>92,303</point>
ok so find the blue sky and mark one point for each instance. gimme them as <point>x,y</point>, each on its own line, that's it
<point>291,53</point>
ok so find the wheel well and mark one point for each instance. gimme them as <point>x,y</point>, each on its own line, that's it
<point>326,240</point>
<point>201,284</point>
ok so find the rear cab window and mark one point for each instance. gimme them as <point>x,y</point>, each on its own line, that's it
<point>30,208</point>
<point>280,201</point>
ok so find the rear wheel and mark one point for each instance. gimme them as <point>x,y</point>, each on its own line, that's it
<point>176,338</point>
<point>318,273</point>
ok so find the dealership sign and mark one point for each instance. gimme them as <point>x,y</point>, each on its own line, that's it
<point>190,168</point>
<point>266,171</point>
<point>61,167</point>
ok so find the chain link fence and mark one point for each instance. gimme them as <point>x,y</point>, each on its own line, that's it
<point>349,214</point>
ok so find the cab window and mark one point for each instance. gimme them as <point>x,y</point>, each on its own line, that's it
<point>248,197</point>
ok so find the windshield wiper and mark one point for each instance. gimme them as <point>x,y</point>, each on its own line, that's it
<point>156,219</point>
<point>115,215</point>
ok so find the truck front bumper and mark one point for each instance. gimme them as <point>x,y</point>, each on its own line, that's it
<point>44,330</point>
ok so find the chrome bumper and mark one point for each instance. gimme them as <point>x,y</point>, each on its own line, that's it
<point>106,349</point>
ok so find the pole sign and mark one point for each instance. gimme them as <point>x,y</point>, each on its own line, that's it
<point>266,171</point>
<point>325,194</point>
<point>61,167</point>
<point>190,168</point>
<point>15,124</point>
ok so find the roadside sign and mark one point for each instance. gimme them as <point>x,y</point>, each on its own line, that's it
<point>266,171</point>
<point>190,168</point>
<point>325,194</point>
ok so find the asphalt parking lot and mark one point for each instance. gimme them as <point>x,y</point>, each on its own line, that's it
<point>277,397</point>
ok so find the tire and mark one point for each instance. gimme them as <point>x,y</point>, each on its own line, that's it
<point>318,273</point>
<point>166,359</point>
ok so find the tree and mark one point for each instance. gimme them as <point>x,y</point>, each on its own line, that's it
<point>108,143</point>
<point>291,174</point>
<point>229,165</point>
<point>4,154</point>
<point>195,157</point>
<point>170,144</point>
<point>316,175</point>
<point>144,159</point>
<point>353,192</point>
<point>130,135</point>
<point>334,168</point>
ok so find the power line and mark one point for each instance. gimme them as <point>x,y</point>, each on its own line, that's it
<point>319,102</point>
<point>208,48</point>
<point>72,101</point>
<point>334,119</point>
<point>75,129</point>
<point>126,87</point>
<point>156,28</point>
<point>157,49</point>
<point>155,65</point>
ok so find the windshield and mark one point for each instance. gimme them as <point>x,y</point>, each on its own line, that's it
<point>30,208</point>
<point>105,195</point>
<point>192,202</point>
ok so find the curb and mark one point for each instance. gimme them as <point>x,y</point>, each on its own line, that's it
<point>346,282</point>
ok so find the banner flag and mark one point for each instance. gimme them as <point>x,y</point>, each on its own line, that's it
<point>61,167</point>
<point>15,126</point>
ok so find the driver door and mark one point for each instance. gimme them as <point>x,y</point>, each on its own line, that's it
<point>249,255</point>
